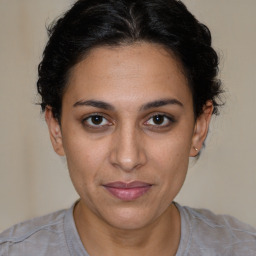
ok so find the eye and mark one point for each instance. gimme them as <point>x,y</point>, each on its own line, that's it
<point>96,121</point>
<point>159,120</point>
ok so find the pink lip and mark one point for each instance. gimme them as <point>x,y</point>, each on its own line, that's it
<point>128,191</point>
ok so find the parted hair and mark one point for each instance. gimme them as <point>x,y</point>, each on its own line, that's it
<point>92,23</point>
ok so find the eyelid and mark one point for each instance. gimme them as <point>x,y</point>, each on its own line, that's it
<point>84,120</point>
<point>170,118</point>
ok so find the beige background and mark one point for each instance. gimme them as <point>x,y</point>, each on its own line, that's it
<point>34,181</point>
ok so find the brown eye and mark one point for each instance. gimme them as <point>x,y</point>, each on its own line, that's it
<point>158,119</point>
<point>96,121</point>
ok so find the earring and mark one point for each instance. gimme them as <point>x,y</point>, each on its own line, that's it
<point>196,149</point>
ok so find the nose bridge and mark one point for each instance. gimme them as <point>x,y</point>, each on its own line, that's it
<point>128,152</point>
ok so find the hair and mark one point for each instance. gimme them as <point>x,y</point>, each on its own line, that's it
<point>92,23</point>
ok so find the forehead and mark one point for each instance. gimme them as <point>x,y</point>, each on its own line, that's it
<point>132,71</point>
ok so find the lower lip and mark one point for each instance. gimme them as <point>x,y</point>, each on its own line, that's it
<point>128,194</point>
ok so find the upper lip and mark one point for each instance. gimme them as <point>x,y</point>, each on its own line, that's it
<point>133,184</point>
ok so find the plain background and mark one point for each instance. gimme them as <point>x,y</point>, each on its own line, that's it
<point>35,181</point>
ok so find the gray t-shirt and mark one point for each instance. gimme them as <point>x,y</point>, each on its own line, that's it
<point>202,233</point>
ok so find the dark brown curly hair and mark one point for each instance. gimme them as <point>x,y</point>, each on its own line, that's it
<point>91,23</point>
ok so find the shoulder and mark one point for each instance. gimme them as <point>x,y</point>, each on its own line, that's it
<point>221,234</point>
<point>35,235</point>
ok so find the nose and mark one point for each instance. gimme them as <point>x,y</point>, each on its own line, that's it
<point>128,151</point>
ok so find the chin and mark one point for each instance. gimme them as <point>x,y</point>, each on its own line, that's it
<point>129,218</point>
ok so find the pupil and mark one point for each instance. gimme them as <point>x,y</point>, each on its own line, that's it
<point>97,119</point>
<point>158,119</point>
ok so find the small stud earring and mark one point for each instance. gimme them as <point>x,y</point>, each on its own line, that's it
<point>196,149</point>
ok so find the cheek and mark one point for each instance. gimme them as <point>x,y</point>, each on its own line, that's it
<point>170,158</point>
<point>173,177</point>
<point>84,158</point>
<point>172,150</point>
<point>174,165</point>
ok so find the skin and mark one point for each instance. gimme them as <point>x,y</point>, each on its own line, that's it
<point>128,144</point>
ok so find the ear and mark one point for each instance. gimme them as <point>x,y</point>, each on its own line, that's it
<point>54,131</point>
<point>201,129</point>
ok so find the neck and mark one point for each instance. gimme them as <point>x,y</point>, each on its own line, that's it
<point>158,238</point>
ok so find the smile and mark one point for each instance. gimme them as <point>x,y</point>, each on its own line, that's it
<point>127,191</point>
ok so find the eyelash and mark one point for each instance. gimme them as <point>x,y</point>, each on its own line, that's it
<point>95,126</point>
<point>169,120</point>
<point>166,118</point>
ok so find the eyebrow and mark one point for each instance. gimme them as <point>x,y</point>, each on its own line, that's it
<point>94,103</point>
<point>161,103</point>
<point>149,105</point>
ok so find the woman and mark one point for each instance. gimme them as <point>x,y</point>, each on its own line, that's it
<point>128,89</point>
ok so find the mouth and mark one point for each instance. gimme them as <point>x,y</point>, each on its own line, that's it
<point>127,191</point>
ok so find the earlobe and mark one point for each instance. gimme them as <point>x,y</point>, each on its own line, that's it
<point>201,129</point>
<point>54,131</point>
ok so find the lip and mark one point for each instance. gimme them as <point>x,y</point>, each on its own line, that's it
<point>127,191</point>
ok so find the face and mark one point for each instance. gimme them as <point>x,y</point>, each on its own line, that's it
<point>127,131</point>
